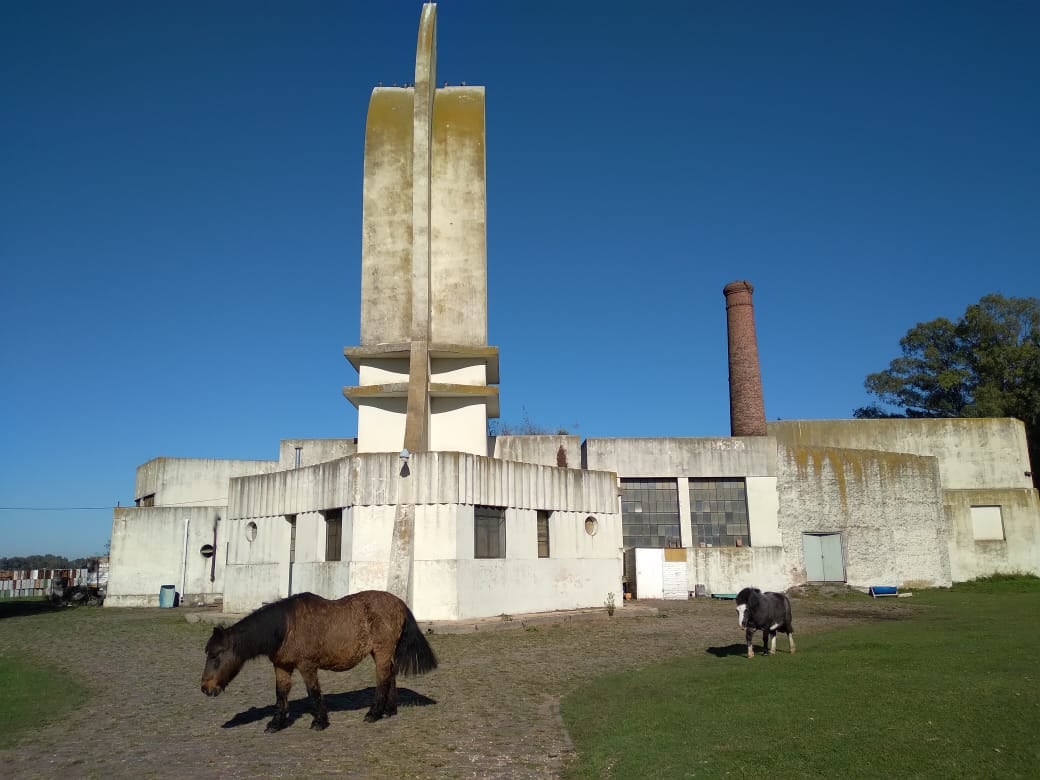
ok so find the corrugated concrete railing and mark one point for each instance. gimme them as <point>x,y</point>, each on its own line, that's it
<point>437,478</point>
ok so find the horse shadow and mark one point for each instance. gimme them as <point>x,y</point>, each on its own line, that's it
<point>335,702</point>
<point>726,650</point>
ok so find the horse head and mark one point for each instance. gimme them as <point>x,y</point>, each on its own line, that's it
<point>744,598</point>
<point>222,662</point>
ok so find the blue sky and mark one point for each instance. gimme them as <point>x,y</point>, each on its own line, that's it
<point>180,214</point>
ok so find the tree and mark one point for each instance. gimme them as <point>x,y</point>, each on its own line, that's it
<point>986,364</point>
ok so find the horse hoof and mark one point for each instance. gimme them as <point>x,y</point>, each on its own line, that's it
<point>273,727</point>
<point>319,725</point>
<point>372,717</point>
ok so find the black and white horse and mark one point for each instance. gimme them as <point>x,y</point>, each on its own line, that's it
<point>770,612</point>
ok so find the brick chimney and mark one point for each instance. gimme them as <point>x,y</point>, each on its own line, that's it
<point>747,412</point>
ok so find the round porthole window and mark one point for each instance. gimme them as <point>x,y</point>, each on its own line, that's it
<point>251,531</point>
<point>591,525</point>
<point>206,551</point>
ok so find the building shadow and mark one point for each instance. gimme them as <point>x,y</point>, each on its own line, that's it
<point>334,702</point>
<point>11,608</point>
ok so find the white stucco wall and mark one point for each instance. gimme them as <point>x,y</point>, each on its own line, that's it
<point>458,425</point>
<point>450,584</point>
<point>763,512</point>
<point>148,551</point>
<point>381,424</point>
<point>384,371</point>
<point>193,481</point>
<point>459,371</point>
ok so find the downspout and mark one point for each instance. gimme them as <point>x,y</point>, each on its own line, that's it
<point>213,558</point>
<point>184,559</point>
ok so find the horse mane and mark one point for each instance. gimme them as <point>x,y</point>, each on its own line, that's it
<point>262,632</point>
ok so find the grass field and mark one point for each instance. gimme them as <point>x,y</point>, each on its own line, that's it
<point>952,692</point>
<point>32,693</point>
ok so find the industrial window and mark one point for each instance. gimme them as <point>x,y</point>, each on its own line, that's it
<point>489,532</point>
<point>543,533</point>
<point>719,513</point>
<point>987,523</point>
<point>650,513</point>
<point>148,500</point>
<point>333,534</point>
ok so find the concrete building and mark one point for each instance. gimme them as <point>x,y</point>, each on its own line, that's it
<point>425,504</point>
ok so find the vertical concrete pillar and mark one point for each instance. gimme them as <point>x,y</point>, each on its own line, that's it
<point>747,413</point>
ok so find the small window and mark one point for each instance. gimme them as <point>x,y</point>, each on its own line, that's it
<point>148,500</point>
<point>250,531</point>
<point>489,532</point>
<point>543,533</point>
<point>987,523</point>
<point>591,525</point>
<point>333,534</point>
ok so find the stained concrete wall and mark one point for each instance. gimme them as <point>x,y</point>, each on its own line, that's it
<point>1019,551</point>
<point>448,583</point>
<point>313,451</point>
<point>386,240</point>
<point>148,551</point>
<point>373,479</point>
<point>458,243</point>
<point>193,481</point>
<point>751,456</point>
<point>730,569</point>
<point>543,449</point>
<point>887,507</point>
<point>458,218</point>
<point>972,453</point>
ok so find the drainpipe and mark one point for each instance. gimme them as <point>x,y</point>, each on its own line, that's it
<point>184,559</point>
<point>213,558</point>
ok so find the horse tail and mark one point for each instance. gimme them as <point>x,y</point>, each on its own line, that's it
<point>413,654</point>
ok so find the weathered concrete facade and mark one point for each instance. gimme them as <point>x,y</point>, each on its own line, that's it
<point>279,533</point>
<point>157,546</point>
<point>414,504</point>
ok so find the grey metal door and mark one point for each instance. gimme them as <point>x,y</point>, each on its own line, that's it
<point>824,561</point>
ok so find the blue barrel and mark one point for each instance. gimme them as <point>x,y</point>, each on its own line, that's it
<point>883,590</point>
<point>167,595</point>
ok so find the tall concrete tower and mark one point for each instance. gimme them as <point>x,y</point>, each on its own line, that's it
<point>747,413</point>
<point>424,365</point>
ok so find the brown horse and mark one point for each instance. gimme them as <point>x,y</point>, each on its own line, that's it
<point>309,633</point>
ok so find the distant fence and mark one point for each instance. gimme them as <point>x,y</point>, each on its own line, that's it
<point>34,583</point>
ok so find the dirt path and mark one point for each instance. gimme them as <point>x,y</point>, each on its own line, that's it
<point>491,709</point>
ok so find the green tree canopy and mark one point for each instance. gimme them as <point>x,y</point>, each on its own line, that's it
<point>986,364</point>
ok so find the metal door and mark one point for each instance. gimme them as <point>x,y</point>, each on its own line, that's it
<point>824,561</point>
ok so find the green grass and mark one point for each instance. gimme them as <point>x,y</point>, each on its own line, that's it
<point>32,694</point>
<point>952,692</point>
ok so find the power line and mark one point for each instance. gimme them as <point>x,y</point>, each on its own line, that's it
<point>50,508</point>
